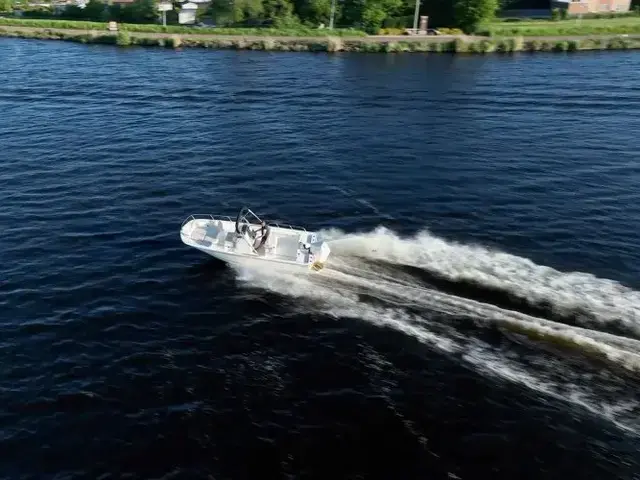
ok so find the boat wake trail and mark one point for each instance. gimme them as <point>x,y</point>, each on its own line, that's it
<point>592,301</point>
<point>369,280</point>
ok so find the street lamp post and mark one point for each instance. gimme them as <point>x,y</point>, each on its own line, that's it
<point>333,13</point>
<point>164,7</point>
<point>415,17</point>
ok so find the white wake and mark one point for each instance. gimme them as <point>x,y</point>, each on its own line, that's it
<point>605,300</point>
<point>336,291</point>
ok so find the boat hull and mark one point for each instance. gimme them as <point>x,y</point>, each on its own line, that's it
<point>242,261</point>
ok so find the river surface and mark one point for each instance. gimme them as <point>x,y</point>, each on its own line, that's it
<point>480,317</point>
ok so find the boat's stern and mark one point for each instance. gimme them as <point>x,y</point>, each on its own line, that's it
<point>320,261</point>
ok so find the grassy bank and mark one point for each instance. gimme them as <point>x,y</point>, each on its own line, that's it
<point>330,44</point>
<point>150,28</point>
<point>536,28</point>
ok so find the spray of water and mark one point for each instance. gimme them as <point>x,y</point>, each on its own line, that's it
<point>337,291</point>
<point>605,301</point>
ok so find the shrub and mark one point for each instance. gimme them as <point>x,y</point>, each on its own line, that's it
<point>435,47</point>
<point>450,31</point>
<point>460,46</point>
<point>411,46</point>
<point>268,44</point>
<point>123,39</point>
<point>394,47</point>
<point>486,46</point>
<point>561,46</point>
<point>145,41</point>
<point>391,31</point>
<point>516,44</point>
<point>398,22</point>
<point>591,44</point>
<point>533,46</point>
<point>173,42</point>
<point>546,46</point>
<point>617,44</point>
<point>449,46</point>
<point>477,47</point>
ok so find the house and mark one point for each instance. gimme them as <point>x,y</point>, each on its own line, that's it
<point>578,7</point>
<point>187,15</point>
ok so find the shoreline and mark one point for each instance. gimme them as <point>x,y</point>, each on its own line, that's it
<point>459,44</point>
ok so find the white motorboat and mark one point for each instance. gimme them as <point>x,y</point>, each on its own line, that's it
<point>248,240</point>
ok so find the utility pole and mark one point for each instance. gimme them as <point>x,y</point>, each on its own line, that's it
<point>333,13</point>
<point>415,17</point>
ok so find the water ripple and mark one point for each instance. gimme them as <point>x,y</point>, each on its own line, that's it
<point>123,352</point>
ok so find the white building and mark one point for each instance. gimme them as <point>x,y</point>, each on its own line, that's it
<point>187,13</point>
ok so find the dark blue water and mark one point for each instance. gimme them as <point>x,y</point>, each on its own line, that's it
<point>480,317</point>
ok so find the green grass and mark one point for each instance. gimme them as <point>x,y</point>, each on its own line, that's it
<point>150,28</point>
<point>505,46</point>
<point>605,26</point>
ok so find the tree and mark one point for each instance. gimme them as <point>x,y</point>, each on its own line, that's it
<point>94,11</point>
<point>144,11</point>
<point>369,13</point>
<point>314,12</point>
<point>236,11</point>
<point>73,12</point>
<point>6,6</point>
<point>278,10</point>
<point>440,13</point>
<point>140,11</point>
<point>468,14</point>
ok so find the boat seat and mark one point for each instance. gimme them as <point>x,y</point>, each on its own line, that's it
<point>213,228</point>
<point>198,234</point>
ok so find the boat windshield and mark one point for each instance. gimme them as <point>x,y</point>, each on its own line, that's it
<point>248,220</point>
<point>252,228</point>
